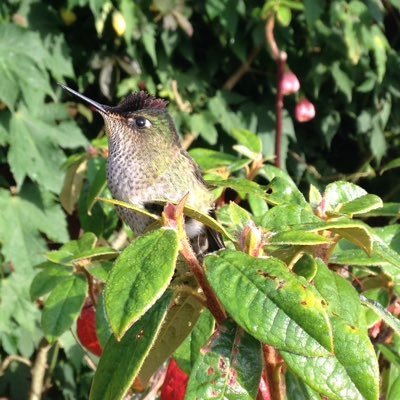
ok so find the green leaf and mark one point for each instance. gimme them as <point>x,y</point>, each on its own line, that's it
<point>394,392</point>
<point>121,360</point>
<point>82,249</point>
<point>132,207</point>
<point>269,171</point>
<point>179,322</point>
<point>378,45</point>
<point>390,353</point>
<point>242,186</point>
<point>100,270</point>
<point>385,252</point>
<point>22,61</point>
<point>297,238</point>
<point>210,159</point>
<point>206,220</point>
<point>387,210</point>
<point>382,313</point>
<point>48,278</point>
<point>375,294</point>
<point>203,125</point>
<point>284,15</point>
<point>258,206</point>
<point>342,80</point>
<point>191,212</point>
<point>355,231</point>
<point>22,220</point>
<point>360,205</point>
<point>313,9</point>
<point>103,329</point>
<point>341,297</point>
<point>276,297</point>
<point>306,266</point>
<point>234,217</point>
<point>63,305</point>
<point>149,41</point>
<point>41,140</point>
<point>340,192</point>
<point>229,365</point>
<point>391,165</point>
<point>98,185</point>
<point>350,374</point>
<point>296,389</point>
<point>249,140</point>
<point>284,217</point>
<point>281,191</point>
<point>139,277</point>
<point>188,352</point>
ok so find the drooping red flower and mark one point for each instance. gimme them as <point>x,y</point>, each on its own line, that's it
<point>305,111</point>
<point>86,330</point>
<point>289,83</point>
<point>175,383</point>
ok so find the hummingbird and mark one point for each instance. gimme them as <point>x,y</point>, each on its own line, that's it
<point>147,163</point>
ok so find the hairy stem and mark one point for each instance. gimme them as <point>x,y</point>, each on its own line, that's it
<point>39,370</point>
<point>213,303</point>
<point>273,366</point>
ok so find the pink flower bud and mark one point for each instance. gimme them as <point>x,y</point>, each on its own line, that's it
<point>251,240</point>
<point>289,83</point>
<point>305,111</point>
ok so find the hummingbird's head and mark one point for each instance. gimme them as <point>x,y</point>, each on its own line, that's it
<point>140,121</point>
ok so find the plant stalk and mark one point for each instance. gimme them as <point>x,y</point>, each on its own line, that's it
<point>280,58</point>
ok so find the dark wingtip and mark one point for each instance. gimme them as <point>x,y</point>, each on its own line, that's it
<point>139,101</point>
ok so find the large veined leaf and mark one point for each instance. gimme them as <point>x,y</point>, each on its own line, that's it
<point>23,217</point>
<point>63,305</point>
<point>22,58</point>
<point>35,149</point>
<point>229,367</point>
<point>350,374</point>
<point>283,217</point>
<point>139,277</point>
<point>339,293</point>
<point>121,361</point>
<point>274,305</point>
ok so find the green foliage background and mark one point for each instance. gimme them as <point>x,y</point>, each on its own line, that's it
<point>345,54</point>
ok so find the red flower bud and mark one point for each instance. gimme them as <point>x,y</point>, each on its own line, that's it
<point>175,383</point>
<point>305,111</point>
<point>289,83</point>
<point>86,330</point>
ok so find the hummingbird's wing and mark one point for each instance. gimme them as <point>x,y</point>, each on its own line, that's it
<point>215,240</point>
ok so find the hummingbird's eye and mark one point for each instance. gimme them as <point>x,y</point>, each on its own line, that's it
<point>142,122</point>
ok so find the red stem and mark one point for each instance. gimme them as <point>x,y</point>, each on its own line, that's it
<point>213,303</point>
<point>280,58</point>
<point>273,367</point>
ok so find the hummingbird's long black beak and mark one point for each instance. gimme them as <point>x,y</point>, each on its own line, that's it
<point>99,107</point>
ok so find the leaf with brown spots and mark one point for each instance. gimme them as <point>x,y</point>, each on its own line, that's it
<point>229,366</point>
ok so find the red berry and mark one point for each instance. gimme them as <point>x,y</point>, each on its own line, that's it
<point>175,383</point>
<point>305,111</point>
<point>86,330</point>
<point>289,83</point>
